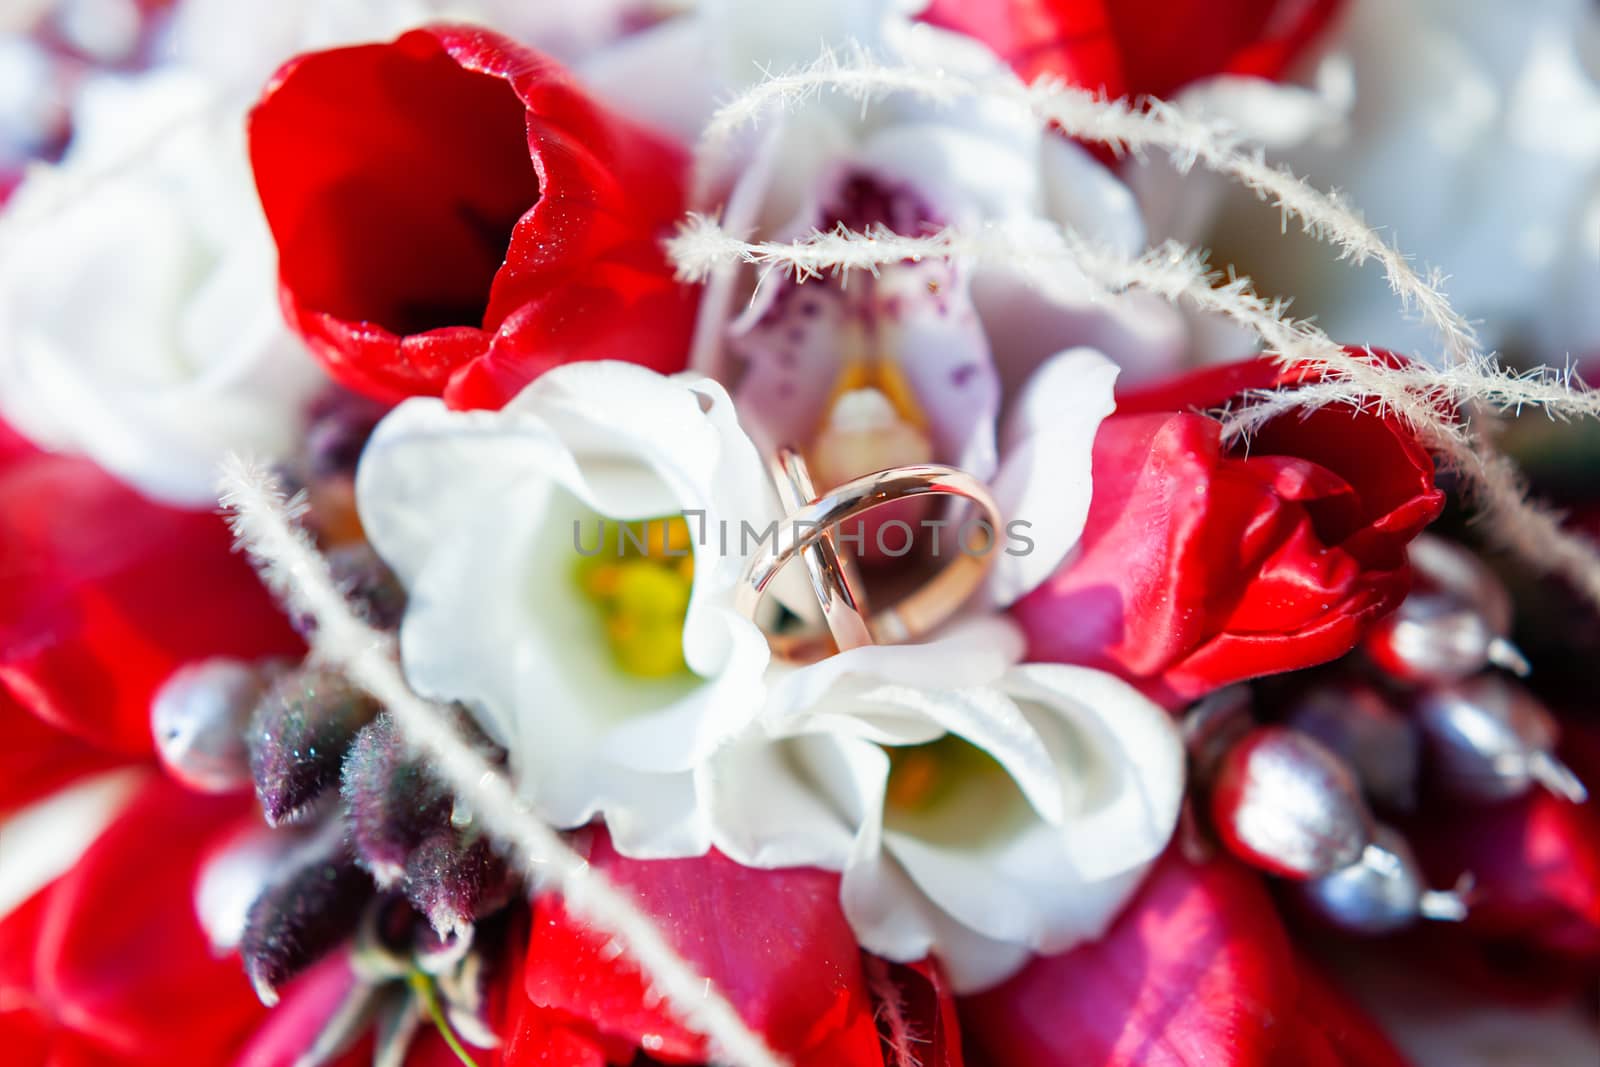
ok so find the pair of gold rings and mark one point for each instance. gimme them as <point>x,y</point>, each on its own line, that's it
<point>811,531</point>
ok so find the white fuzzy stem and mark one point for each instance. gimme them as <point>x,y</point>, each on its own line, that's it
<point>266,526</point>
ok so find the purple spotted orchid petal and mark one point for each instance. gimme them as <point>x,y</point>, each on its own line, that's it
<point>802,343</point>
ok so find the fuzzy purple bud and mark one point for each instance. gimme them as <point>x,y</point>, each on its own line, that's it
<point>298,739</point>
<point>454,877</point>
<point>300,916</point>
<point>391,803</point>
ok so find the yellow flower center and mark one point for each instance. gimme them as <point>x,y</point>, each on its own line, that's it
<point>921,777</point>
<point>640,578</point>
<point>952,794</point>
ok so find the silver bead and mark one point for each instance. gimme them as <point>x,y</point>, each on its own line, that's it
<point>1489,738</point>
<point>1381,892</point>
<point>1283,802</point>
<point>198,718</point>
<point>1453,624</point>
<point>1359,725</point>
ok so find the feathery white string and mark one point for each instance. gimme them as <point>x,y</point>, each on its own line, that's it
<point>898,1030</point>
<point>266,525</point>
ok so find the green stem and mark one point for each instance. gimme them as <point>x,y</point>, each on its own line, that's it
<point>423,986</point>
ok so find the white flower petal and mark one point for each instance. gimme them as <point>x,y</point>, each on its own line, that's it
<point>1124,751</point>
<point>800,820</point>
<point>1045,478</point>
<point>828,694</point>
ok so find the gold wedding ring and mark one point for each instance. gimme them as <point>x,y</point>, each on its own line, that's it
<point>810,531</point>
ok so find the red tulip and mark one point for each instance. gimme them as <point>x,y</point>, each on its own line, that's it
<point>1203,564</point>
<point>1140,47</point>
<point>454,215</point>
<point>1198,969</point>
<point>776,943</point>
<point>103,595</point>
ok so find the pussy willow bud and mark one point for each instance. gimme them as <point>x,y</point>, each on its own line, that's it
<point>298,737</point>
<point>1283,802</point>
<point>1488,738</point>
<point>199,718</point>
<point>315,904</point>
<point>1381,892</point>
<point>391,803</point>
<point>1359,725</point>
<point>453,877</point>
<point>1453,624</point>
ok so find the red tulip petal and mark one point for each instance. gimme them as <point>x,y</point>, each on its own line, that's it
<point>37,759</point>
<point>1140,47</point>
<point>1196,970</point>
<point>540,1038</point>
<point>120,953</point>
<point>25,1037</point>
<point>610,308</point>
<point>424,193</point>
<point>19,934</point>
<point>776,943</point>
<point>103,594</point>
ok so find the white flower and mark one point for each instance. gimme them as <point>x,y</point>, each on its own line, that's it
<point>492,522</point>
<point>980,812</point>
<point>1473,138</point>
<point>139,321</point>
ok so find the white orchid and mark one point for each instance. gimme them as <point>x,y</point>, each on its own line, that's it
<point>609,666</point>
<point>980,811</point>
<point>139,323</point>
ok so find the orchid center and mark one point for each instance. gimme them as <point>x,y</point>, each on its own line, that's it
<point>639,580</point>
<point>872,425</point>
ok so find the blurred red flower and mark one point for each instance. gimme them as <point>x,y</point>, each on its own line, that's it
<point>1140,47</point>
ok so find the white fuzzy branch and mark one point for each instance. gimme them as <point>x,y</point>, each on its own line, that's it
<point>266,526</point>
<point>902,1038</point>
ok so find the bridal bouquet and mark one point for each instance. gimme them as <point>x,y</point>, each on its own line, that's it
<point>753,533</point>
